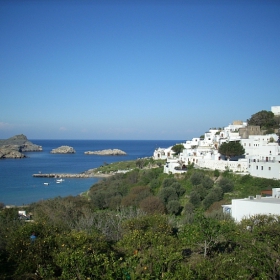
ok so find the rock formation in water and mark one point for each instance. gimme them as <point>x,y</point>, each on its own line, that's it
<point>15,146</point>
<point>109,152</point>
<point>63,150</point>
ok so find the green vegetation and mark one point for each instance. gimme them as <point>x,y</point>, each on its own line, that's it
<point>128,165</point>
<point>144,224</point>
<point>266,120</point>
<point>231,149</point>
<point>178,148</point>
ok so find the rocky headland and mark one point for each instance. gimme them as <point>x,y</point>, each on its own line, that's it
<point>15,147</point>
<point>63,150</point>
<point>108,152</point>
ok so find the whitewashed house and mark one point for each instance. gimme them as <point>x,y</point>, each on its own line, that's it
<point>275,110</point>
<point>163,153</point>
<point>251,206</point>
<point>261,159</point>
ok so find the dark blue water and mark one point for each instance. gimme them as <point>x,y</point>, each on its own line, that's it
<point>18,187</point>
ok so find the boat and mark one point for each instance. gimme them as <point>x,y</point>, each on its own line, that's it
<point>59,181</point>
<point>46,184</point>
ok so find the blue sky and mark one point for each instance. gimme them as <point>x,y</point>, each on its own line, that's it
<point>135,69</point>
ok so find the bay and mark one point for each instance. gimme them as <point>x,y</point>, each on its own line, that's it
<point>19,187</point>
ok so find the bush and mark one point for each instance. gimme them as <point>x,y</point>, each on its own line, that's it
<point>168,182</point>
<point>214,195</point>
<point>152,205</point>
<point>195,198</point>
<point>174,207</point>
<point>189,208</point>
<point>168,194</point>
<point>226,185</point>
<point>201,191</point>
<point>178,188</point>
<point>216,173</point>
<point>135,195</point>
<point>198,178</point>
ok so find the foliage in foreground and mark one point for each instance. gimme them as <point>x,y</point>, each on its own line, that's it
<point>144,225</point>
<point>149,247</point>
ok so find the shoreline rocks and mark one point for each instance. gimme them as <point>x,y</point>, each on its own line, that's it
<point>108,152</point>
<point>7,152</point>
<point>63,150</point>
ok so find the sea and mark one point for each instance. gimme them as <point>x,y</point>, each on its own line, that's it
<point>18,187</point>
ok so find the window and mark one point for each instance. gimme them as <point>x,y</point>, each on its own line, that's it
<point>261,167</point>
<point>269,168</point>
<point>257,167</point>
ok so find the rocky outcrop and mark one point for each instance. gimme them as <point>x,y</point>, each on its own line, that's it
<point>15,146</point>
<point>10,152</point>
<point>109,152</point>
<point>63,150</point>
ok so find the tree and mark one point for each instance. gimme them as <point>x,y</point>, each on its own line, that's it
<point>152,205</point>
<point>168,194</point>
<point>231,149</point>
<point>195,198</point>
<point>174,207</point>
<point>265,119</point>
<point>140,163</point>
<point>214,195</point>
<point>178,148</point>
<point>198,178</point>
<point>226,185</point>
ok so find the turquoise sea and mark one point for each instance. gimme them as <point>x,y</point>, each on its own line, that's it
<point>18,187</point>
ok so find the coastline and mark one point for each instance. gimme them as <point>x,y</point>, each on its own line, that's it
<point>73,175</point>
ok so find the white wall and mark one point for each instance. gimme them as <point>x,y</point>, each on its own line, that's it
<point>275,110</point>
<point>245,208</point>
<point>222,165</point>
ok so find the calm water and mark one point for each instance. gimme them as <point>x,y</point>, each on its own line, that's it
<point>18,187</point>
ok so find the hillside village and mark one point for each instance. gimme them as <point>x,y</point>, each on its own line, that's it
<point>261,158</point>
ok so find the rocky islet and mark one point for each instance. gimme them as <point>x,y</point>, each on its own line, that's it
<point>107,152</point>
<point>15,147</point>
<point>63,150</point>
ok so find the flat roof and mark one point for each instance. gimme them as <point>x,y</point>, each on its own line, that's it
<point>271,200</point>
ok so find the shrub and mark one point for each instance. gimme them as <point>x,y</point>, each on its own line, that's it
<point>135,195</point>
<point>152,205</point>
<point>178,188</point>
<point>216,173</point>
<point>195,198</point>
<point>168,194</point>
<point>174,207</point>
<point>214,195</point>
<point>189,208</point>
<point>168,182</point>
<point>226,185</point>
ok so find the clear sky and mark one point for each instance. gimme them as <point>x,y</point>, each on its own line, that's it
<point>135,69</point>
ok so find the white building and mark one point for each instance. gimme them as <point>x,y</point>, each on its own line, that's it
<point>251,206</point>
<point>261,158</point>
<point>163,153</point>
<point>275,110</point>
